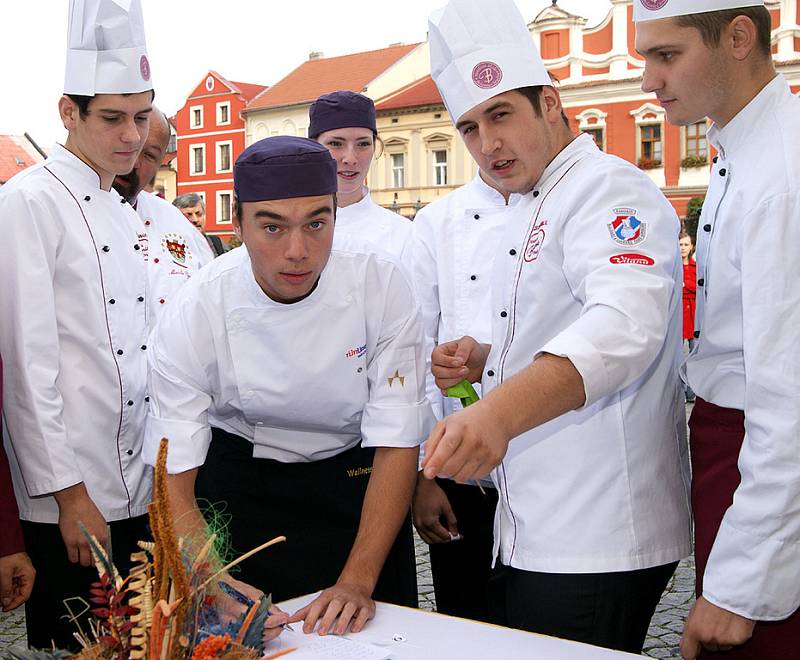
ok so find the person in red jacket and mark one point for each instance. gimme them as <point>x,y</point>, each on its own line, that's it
<point>689,295</point>
<point>16,570</point>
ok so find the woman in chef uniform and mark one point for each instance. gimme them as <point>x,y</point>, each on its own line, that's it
<point>289,380</point>
<point>344,122</point>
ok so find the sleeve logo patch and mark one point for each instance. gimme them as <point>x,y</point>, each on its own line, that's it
<point>632,258</point>
<point>626,229</point>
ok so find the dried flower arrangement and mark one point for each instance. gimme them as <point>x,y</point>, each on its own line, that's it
<point>169,607</point>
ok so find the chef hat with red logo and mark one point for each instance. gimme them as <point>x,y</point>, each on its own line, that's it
<point>651,10</point>
<point>106,49</point>
<point>480,49</point>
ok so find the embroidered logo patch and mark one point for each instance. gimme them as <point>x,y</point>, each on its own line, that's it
<point>654,5</point>
<point>397,377</point>
<point>144,68</point>
<point>632,258</point>
<point>535,241</point>
<point>626,229</point>
<point>357,352</point>
<point>487,75</point>
<point>176,246</point>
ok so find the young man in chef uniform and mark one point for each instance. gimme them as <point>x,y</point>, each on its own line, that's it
<point>454,242</point>
<point>174,250</point>
<point>582,419</point>
<point>73,321</point>
<point>289,379</point>
<point>712,58</point>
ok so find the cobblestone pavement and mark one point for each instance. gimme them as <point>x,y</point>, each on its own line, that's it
<point>662,640</point>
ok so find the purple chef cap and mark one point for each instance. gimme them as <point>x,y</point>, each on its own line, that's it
<point>283,167</point>
<point>341,110</point>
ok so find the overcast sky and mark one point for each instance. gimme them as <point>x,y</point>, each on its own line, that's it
<point>246,40</point>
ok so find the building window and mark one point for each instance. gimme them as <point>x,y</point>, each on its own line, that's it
<point>696,145</point>
<point>196,116</point>
<point>650,140</point>
<point>224,156</point>
<point>398,170</point>
<point>197,159</point>
<point>223,113</point>
<point>597,136</point>
<point>224,208</point>
<point>440,167</point>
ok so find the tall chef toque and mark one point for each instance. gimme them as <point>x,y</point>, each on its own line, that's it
<point>106,50</point>
<point>481,49</point>
<point>651,10</point>
<point>341,110</point>
<point>283,167</point>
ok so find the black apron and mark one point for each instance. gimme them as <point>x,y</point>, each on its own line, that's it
<point>316,505</point>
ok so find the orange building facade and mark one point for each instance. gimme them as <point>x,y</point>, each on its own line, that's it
<point>210,135</point>
<point>600,77</point>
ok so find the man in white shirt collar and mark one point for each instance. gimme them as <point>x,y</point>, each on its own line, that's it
<point>713,59</point>
<point>73,325</point>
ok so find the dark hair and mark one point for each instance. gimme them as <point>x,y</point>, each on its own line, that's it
<point>83,102</point>
<point>712,23</point>
<point>534,95</point>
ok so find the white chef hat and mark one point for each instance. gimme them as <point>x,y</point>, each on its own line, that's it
<point>480,49</point>
<point>106,51</point>
<point>650,10</point>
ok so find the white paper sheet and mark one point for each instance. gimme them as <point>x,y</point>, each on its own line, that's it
<point>327,647</point>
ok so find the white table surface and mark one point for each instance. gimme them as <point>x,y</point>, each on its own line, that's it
<point>434,636</point>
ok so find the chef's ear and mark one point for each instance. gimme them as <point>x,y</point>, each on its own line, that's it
<point>236,218</point>
<point>69,111</point>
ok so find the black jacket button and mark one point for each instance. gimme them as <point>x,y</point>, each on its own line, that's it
<point>706,228</point>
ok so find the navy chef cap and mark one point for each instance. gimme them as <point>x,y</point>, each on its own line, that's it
<point>341,110</point>
<point>283,167</point>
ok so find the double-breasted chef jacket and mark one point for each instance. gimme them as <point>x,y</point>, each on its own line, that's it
<point>748,355</point>
<point>454,243</point>
<point>172,246</point>
<point>73,335</point>
<point>589,269</point>
<point>365,220</point>
<point>302,381</point>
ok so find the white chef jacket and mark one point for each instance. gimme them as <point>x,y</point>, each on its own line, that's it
<point>171,245</point>
<point>73,335</point>
<point>303,381</point>
<point>454,243</point>
<point>748,353</point>
<point>589,269</point>
<point>368,221</point>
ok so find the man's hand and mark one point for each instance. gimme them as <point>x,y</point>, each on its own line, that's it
<point>75,506</point>
<point>714,629</point>
<point>273,626</point>
<point>429,506</point>
<point>16,580</point>
<point>341,604</point>
<point>458,360</point>
<point>466,445</point>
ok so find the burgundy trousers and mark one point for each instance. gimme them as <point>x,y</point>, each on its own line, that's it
<point>716,436</point>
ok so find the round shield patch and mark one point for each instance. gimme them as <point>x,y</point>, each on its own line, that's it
<point>144,68</point>
<point>487,75</point>
<point>654,5</point>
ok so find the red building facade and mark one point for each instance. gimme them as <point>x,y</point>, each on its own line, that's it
<point>210,135</point>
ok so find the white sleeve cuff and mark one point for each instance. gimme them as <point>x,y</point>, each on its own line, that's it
<point>188,443</point>
<point>585,358</point>
<point>752,576</point>
<point>396,426</point>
